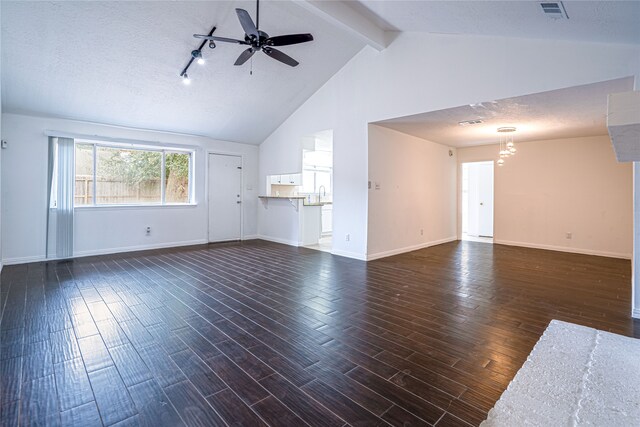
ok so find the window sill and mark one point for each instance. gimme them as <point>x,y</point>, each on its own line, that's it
<point>126,207</point>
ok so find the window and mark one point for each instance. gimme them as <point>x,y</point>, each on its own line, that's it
<point>317,172</point>
<point>117,175</point>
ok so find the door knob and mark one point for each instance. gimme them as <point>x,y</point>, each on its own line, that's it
<point>238,202</point>
<point>481,204</point>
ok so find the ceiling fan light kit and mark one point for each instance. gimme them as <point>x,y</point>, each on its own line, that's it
<point>254,38</point>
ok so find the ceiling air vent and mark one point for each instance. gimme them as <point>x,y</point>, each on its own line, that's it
<point>554,10</point>
<point>470,122</point>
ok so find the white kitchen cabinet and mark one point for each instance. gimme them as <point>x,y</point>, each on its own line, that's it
<point>285,179</point>
<point>293,179</point>
<point>275,179</point>
<point>327,219</point>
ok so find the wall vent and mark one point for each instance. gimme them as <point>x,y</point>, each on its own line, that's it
<point>470,122</point>
<point>554,10</point>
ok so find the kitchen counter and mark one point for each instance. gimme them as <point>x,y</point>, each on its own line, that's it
<point>282,197</point>
<point>316,203</point>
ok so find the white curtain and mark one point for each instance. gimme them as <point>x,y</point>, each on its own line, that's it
<point>61,188</point>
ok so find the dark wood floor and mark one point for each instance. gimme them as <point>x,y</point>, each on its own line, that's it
<point>265,334</point>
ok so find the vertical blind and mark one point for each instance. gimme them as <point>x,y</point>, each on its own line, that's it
<point>62,185</point>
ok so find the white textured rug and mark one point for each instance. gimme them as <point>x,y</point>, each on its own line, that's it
<point>575,376</point>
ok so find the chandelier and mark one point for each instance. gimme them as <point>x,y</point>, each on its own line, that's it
<point>507,148</point>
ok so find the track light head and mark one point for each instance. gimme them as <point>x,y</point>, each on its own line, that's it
<point>197,55</point>
<point>212,44</point>
<point>185,79</point>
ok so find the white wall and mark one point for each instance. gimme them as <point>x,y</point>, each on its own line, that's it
<point>417,181</point>
<point>104,229</point>
<point>553,187</point>
<point>635,287</point>
<point>415,74</point>
<point>1,263</point>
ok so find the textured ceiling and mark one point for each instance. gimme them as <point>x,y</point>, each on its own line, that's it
<point>599,21</point>
<point>119,63</point>
<point>577,111</point>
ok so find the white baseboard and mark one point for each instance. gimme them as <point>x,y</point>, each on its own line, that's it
<point>635,313</point>
<point>411,248</point>
<point>251,237</point>
<point>94,252</point>
<point>564,249</point>
<point>347,254</point>
<point>23,260</point>
<point>139,248</point>
<point>278,240</point>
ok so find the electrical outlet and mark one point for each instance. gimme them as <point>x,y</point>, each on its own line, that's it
<point>347,238</point>
<point>422,232</point>
<point>148,230</point>
<point>377,185</point>
<point>569,235</point>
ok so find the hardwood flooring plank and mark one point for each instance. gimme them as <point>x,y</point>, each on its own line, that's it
<point>233,410</point>
<point>38,402</point>
<point>276,414</point>
<point>341,405</point>
<point>72,383</point>
<point>86,415</point>
<point>405,399</point>
<point>248,389</point>
<point>112,397</point>
<point>203,378</point>
<point>192,407</point>
<point>162,367</point>
<point>94,353</point>
<point>130,365</point>
<point>312,412</point>
<point>10,379</point>
<point>64,345</point>
<point>153,405</point>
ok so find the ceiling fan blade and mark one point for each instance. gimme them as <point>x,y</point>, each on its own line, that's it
<point>279,56</point>
<point>247,23</point>
<point>244,56</point>
<point>289,39</point>
<point>219,39</point>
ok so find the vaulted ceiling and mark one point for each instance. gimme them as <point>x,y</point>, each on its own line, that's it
<point>607,21</point>
<point>118,62</point>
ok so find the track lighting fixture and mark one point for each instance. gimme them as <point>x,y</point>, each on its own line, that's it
<point>197,56</point>
<point>212,44</point>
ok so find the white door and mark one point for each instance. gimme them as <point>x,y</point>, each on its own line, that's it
<point>485,199</point>
<point>225,197</point>
<point>473,202</point>
<point>480,198</point>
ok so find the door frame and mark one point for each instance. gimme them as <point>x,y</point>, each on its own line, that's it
<point>206,188</point>
<point>459,191</point>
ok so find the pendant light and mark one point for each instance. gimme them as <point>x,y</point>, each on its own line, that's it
<point>507,147</point>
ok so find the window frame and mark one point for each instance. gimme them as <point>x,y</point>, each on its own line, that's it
<point>141,147</point>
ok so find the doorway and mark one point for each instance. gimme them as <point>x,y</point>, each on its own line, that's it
<point>477,201</point>
<point>225,197</point>
<point>317,184</point>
